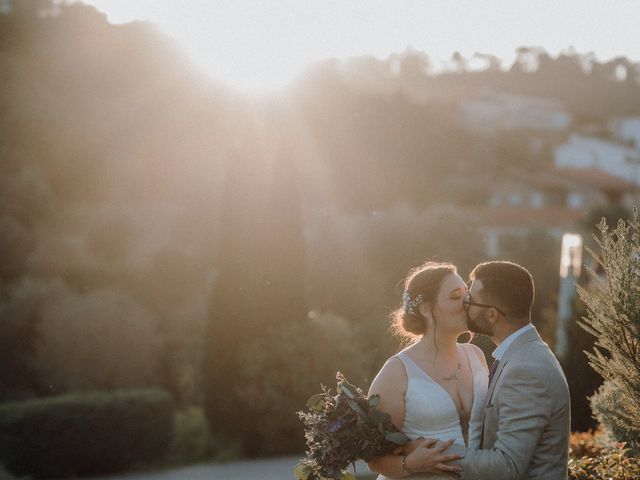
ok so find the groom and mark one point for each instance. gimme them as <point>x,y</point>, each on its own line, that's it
<point>523,430</point>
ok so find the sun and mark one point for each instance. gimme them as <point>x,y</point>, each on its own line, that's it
<point>257,49</point>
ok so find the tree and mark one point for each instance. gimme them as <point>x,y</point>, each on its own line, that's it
<point>258,291</point>
<point>613,318</point>
<point>18,345</point>
<point>492,62</point>
<point>527,59</point>
<point>414,66</point>
<point>234,310</point>
<point>459,62</point>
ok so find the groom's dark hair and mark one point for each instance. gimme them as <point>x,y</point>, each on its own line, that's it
<point>507,285</point>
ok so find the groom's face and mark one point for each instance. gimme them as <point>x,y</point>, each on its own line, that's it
<point>478,317</point>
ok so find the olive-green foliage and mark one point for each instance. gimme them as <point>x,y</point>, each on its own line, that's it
<point>594,456</point>
<point>588,443</point>
<point>259,291</point>
<point>90,298</point>
<point>191,439</point>
<point>613,318</point>
<point>583,381</point>
<point>605,404</point>
<point>282,369</point>
<point>7,475</point>
<point>85,433</point>
<point>615,464</point>
<point>343,428</point>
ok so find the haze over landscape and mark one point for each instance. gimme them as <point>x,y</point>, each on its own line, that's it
<point>217,200</point>
<point>260,46</point>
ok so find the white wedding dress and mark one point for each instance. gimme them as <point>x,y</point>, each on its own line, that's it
<point>429,409</point>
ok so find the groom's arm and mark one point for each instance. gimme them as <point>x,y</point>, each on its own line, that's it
<point>522,410</point>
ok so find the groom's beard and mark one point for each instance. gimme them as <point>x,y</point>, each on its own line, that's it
<point>480,324</point>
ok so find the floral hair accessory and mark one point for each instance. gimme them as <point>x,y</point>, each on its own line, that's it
<point>409,304</point>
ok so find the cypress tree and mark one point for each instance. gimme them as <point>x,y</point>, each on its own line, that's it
<point>284,243</point>
<point>233,309</point>
<point>259,288</point>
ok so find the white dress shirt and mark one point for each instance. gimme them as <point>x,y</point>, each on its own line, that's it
<point>506,343</point>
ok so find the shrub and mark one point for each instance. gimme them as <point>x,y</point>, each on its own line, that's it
<point>85,433</point>
<point>613,318</point>
<point>605,405</point>
<point>192,441</point>
<point>6,475</point>
<point>586,444</point>
<point>282,369</point>
<point>615,464</point>
<point>117,338</point>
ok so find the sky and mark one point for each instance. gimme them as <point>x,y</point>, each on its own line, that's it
<point>261,45</point>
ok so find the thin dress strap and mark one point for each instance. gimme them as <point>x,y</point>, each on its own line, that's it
<point>409,365</point>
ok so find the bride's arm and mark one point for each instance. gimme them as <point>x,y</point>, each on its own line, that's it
<point>391,384</point>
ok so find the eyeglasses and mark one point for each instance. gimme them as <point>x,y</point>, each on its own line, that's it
<point>467,303</point>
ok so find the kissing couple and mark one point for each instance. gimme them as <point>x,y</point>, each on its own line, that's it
<point>509,422</point>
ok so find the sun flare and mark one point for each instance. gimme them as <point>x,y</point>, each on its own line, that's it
<point>261,46</point>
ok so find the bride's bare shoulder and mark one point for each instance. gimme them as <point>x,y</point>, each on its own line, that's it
<point>392,376</point>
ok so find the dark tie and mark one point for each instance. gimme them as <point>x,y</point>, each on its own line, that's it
<point>494,367</point>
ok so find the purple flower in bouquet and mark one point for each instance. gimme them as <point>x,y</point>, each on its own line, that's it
<point>336,426</point>
<point>344,428</point>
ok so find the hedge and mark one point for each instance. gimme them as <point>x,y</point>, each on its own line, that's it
<point>85,433</point>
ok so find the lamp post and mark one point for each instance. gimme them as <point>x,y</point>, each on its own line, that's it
<point>570,266</point>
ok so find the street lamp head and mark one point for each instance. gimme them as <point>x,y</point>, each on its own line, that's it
<point>571,255</point>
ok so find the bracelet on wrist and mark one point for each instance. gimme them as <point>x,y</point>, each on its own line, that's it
<point>406,470</point>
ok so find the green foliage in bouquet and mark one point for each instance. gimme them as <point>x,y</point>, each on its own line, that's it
<point>342,429</point>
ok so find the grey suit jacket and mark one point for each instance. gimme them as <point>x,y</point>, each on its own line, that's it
<point>525,424</point>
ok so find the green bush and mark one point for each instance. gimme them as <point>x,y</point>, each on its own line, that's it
<point>282,369</point>
<point>7,475</point>
<point>612,300</point>
<point>605,404</point>
<point>587,444</point>
<point>192,440</point>
<point>615,464</point>
<point>85,433</point>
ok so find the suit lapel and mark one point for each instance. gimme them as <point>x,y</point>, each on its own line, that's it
<point>529,336</point>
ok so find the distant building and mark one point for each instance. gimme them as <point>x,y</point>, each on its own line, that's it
<point>627,130</point>
<point>613,188</point>
<point>591,153</point>
<point>551,202</point>
<point>503,111</point>
<point>551,189</point>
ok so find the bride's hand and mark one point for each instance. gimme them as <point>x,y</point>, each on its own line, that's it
<point>411,445</point>
<point>429,458</point>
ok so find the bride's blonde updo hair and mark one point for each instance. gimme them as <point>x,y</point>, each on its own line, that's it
<point>421,285</point>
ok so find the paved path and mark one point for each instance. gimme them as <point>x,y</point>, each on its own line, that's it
<point>280,468</point>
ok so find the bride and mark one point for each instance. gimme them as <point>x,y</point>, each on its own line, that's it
<point>431,388</point>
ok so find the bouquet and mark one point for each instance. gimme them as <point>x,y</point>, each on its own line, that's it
<point>344,428</point>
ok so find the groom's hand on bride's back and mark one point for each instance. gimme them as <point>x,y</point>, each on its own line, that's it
<point>429,457</point>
